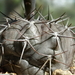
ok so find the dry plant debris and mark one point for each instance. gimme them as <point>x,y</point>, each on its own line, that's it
<point>8,73</point>
<point>61,72</point>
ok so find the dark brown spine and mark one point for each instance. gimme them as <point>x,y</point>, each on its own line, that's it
<point>29,7</point>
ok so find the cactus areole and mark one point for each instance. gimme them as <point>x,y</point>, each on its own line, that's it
<point>36,45</point>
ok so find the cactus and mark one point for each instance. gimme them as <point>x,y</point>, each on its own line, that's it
<point>38,45</point>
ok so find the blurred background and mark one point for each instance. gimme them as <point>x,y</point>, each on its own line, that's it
<point>56,7</point>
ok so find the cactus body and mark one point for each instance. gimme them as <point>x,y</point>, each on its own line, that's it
<point>32,42</point>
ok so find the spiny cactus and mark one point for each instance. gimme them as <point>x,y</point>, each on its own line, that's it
<point>38,45</point>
